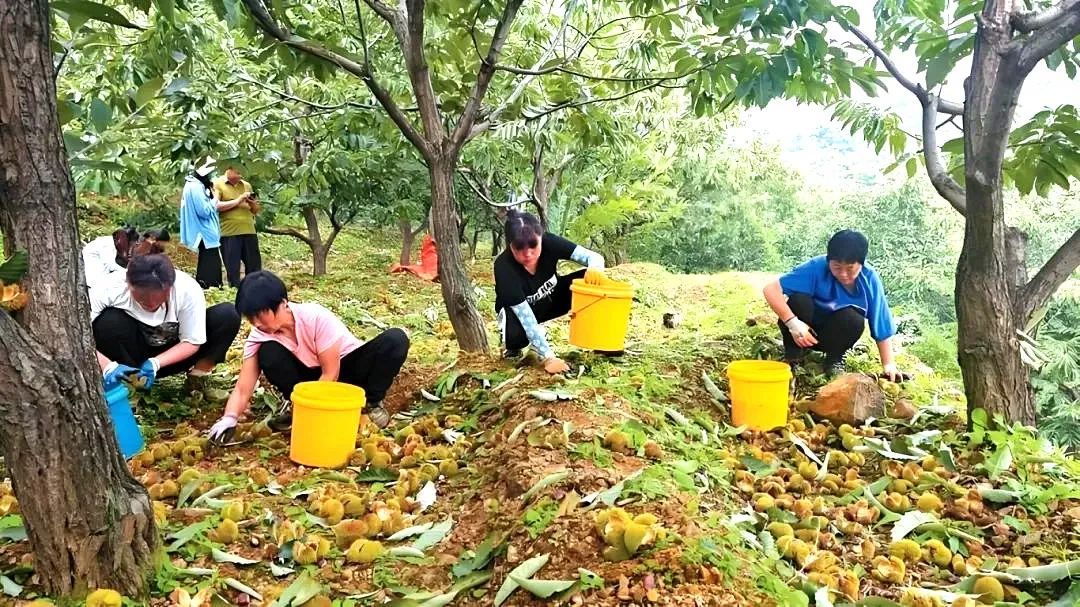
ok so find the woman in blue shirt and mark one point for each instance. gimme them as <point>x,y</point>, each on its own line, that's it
<point>825,303</point>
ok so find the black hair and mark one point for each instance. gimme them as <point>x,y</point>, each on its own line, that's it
<point>161,235</point>
<point>151,272</point>
<point>848,246</point>
<point>258,292</point>
<point>523,230</point>
<point>204,180</point>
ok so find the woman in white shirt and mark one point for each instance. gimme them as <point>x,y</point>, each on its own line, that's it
<point>152,321</point>
<point>110,254</point>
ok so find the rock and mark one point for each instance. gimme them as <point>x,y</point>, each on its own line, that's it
<point>902,409</point>
<point>851,398</point>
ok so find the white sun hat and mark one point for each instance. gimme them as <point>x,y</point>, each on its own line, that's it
<point>207,167</point>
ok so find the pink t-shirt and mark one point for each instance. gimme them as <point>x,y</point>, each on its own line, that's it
<point>316,328</point>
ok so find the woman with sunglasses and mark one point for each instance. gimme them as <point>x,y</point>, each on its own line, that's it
<point>529,290</point>
<point>152,321</point>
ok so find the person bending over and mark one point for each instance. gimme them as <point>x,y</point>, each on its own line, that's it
<point>529,287</point>
<point>151,321</point>
<point>825,303</point>
<point>108,254</point>
<point>294,342</point>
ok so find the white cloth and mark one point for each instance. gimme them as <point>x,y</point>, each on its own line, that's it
<point>99,260</point>
<point>186,305</point>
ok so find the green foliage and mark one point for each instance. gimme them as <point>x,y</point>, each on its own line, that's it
<point>1057,383</point>
<point>539,516</point>
<point>936,346</point>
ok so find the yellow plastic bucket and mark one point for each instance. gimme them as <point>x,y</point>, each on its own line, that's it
<point>326,418</point>
<point>759,393</point>
<point>600,315</point>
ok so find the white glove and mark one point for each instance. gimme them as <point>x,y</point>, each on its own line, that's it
<point>223,427</point>
<point>797,327</point>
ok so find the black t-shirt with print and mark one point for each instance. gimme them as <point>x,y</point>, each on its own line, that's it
<point>513,284</point>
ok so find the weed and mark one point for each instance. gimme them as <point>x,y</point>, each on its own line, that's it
<point>539,516</point>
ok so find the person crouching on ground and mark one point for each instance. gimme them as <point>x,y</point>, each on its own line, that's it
<point>825,303</point>
<point>108,254</point>
<point>528,286</point>
<point>297,342</point>
<point>151,321</point>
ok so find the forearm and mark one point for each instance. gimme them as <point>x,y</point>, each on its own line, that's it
<point>587,258</point>
<point>885,351</point>
<point>228,205</point>
<point>102,360</point>
<point>240,397</point>
<point>774,296</point>
<point>177,353</point>
<point>529,323</point>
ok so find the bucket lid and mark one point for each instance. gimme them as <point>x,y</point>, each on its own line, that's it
<point>614,289</point>
<point>762,370</point>
<point>329,395</point>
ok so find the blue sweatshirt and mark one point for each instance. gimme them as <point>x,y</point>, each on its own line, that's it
<point>198,217</point>
<point>813,278</point>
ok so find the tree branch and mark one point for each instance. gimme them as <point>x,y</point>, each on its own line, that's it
<point>945,107</point>
<point>523,84</point>
<point>363,71</point>
<point>1063,24</point>
<point>289,232</point>
<point>389,14</point>
<point>1052,275</point>
<point>463,130</point>
<point>311,104</point>
<point>945,185</point>
<point>411,39</point>
<point>1026,23</point>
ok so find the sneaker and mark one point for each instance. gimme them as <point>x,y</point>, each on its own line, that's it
<point>281,421</point>
<point>512,353</point>
<point>378,415</point>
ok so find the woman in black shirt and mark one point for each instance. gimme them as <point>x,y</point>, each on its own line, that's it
<point>527,284</point>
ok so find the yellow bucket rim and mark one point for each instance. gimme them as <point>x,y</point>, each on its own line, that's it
<point>759,370</point>
<point>328,396</point>
<point>613,289</point>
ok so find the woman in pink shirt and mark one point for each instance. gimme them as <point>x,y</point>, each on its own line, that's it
<point>297,342</point>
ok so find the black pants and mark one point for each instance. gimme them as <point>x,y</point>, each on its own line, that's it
<point>208,270</point>
<point>117,336</point>
<point>236,249</point>
<point>836,331</point>
<point>373,366</point>
<point>514,337</point>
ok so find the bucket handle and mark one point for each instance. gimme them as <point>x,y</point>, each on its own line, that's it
<point>574,313</point>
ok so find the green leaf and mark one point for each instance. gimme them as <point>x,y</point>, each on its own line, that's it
<point>409,532</point>
<point>176,86</point>
<point>221,556</point>
<point>376,475</point>
<point>13,270</point>
<point>999,462</point>
<point>241,587</point>
<point>100,114</point>
<point>299,592</point>
<point>440,600</point>
<point>542,588</point>
<point>148,91</point>
<point>911,521</point>
<point>1047,573</point>
<point>547,481</point>
<point>280,571</point>
<point>480,557</point>
<point>758,467</point>
<point>93,10</point>
<point>187,490</point>
<point>187,534</point>
<point>526,569</point>
<point>938,70</point>
<point>9,586</point>
<point>167,8</point>
<point>1070,598</point>
<point>434,535</point>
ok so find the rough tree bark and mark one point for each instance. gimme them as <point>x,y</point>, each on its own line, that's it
<point>89,522</point>
<point>986,310</point>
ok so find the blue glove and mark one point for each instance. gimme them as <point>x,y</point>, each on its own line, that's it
<point>115,373</point>
<point>148,373</point>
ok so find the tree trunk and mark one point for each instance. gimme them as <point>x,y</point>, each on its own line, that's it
<point>456,287</point>
<point>406,241</point>
<point>475,237</point>
<point>987,298</point>
<point>319,250</point>
<point>89,522</point>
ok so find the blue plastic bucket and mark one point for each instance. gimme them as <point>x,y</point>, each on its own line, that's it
<point>127,429</point>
